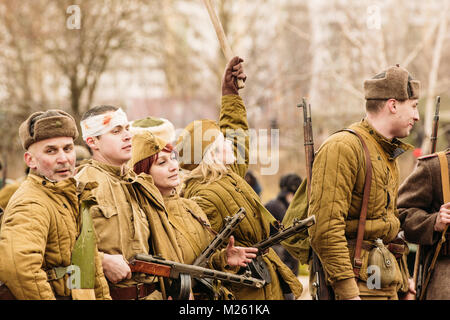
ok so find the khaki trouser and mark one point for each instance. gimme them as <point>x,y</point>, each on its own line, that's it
<point>389,293</point>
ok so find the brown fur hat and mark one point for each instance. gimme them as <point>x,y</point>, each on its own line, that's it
<point>393,83</point>
<point>48,124</point>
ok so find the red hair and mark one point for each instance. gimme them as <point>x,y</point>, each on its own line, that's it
<point>145,164</point>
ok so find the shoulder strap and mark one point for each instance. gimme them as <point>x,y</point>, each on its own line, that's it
<point>444,176</point>
<point>357,262</point>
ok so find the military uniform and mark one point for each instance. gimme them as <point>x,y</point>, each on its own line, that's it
<point>420,198</point>
<point>224,197</point>
<point>194,234</point>
<point>191,226</point>
<point>130,218</point>
<point>40,226</point>
<point>338,177</point>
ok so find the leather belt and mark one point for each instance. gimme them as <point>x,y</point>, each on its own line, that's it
<point>396,249</point>
<point>133,292</point>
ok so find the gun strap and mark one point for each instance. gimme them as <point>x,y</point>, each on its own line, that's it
<point>445,182</point>
<point>444,176</point>
<point>357,262</point>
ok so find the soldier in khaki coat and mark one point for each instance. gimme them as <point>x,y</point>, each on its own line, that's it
<point>216,183</point>
<point>337,185</point>
<point>424,216</point>
<point>130,217</point>
<point>42,220</point>
<point>152,155</point>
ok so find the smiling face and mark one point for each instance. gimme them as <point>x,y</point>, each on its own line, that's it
<point>165,172</point>
<point>52,158</point>
<point>113,147</point>
<point>407,114</point>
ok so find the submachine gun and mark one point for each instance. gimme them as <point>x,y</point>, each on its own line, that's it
<point>257,266</point>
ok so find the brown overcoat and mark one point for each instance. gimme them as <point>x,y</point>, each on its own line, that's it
<point>420,198</point>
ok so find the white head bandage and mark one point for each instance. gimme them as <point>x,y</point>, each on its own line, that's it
<point>103,123</point>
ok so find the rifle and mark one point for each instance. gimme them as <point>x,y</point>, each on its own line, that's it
<point>257,266</point>
<point>323,291</point>
<point>231,224</point>
<point>421,287</point>
<point>183,272</point>
<point>308,141</point>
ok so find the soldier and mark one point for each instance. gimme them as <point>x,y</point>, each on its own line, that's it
<point>424,215</point>
<point>337,185</point>
<point>130,217</point>
<point>42,220</point>
<point>153,156</point>
<point>217,183</point>
<point>289,184</point>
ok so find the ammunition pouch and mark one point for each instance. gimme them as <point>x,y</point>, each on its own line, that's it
<point>382,258</point>
<point>385,259</point>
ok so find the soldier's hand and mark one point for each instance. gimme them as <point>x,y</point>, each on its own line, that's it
<point>233,71</point>
<point>115,267</point>
<point>443,217</point>
<point>239,256</point>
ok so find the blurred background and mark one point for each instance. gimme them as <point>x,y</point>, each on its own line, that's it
<point>162,58</point>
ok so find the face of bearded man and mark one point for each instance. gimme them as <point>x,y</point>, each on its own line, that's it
<point>52,158</point>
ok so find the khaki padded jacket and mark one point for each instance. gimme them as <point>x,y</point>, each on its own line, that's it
<point>337,186</point>
<point>224,197</point>
<point>39,230</point>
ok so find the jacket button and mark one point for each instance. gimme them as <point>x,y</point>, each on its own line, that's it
<point>44,183</point>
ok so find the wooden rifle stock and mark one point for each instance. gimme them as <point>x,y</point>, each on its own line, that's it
<point>150,268</point>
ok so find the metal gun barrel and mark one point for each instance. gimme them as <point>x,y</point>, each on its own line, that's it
<point>297,226</point>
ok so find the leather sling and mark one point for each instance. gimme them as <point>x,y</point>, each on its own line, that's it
<point>357,262</point>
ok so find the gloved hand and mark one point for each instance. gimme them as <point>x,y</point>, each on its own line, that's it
<point>233,71</point>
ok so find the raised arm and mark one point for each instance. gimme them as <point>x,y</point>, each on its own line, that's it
<point>233,115</point>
